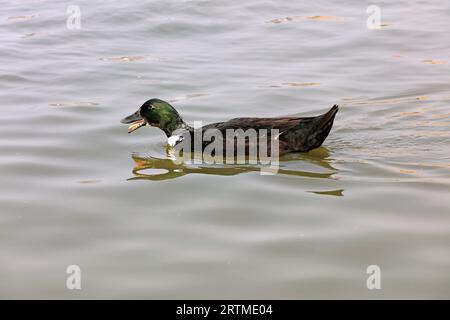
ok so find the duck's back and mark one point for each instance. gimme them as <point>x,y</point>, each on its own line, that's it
<point>280,123</point>
<point>295,134</point>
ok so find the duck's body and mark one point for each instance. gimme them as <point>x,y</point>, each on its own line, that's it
<point>294,134</point>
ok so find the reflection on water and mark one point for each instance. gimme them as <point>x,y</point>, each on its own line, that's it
<point>337,193</point>
<point>150,167</point>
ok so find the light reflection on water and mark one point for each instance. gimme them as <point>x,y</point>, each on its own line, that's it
<point>174,168</point>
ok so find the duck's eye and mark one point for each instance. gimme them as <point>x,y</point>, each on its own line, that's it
<point>147,107</point>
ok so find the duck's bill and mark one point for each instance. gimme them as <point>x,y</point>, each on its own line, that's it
<point>135,120</point>
<point>136,125</point>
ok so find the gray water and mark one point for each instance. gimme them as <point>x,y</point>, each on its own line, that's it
<point>76,189</point>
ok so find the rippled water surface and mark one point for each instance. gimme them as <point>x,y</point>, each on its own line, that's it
<point>77,189</point>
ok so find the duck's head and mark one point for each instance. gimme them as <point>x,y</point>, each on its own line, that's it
<point>156,113</point>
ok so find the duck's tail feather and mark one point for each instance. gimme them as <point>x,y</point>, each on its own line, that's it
<point>319,132</point>
<point>326,120</point>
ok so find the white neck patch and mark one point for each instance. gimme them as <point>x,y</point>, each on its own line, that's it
<point>173,140</point>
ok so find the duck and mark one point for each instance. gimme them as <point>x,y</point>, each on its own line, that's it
<point>295,134</point>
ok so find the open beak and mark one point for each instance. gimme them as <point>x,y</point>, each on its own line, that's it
<point>136,121</point>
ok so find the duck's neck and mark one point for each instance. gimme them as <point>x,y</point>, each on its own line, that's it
<point>175,126</point>
<point>175,136</point>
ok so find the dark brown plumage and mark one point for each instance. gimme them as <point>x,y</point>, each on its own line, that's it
<point>295,134</point>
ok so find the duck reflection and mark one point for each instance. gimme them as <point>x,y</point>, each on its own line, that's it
<point>156,169</point>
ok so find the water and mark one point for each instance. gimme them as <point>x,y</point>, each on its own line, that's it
<point>77,189</point>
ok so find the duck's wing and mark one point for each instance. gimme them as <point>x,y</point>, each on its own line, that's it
<point>280,123</point>
<point>262,127</point>
<point>294,133</point>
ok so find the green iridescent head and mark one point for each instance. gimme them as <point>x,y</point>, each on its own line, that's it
<point>156,113</point>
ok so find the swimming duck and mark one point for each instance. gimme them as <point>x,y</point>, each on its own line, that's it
<point>296,134</point>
